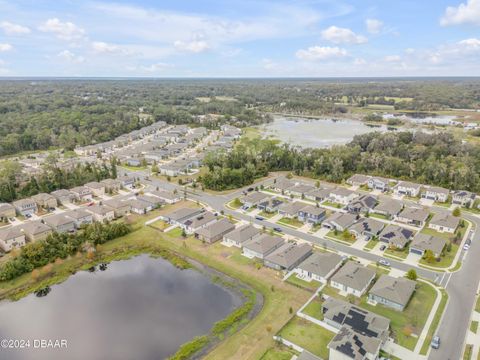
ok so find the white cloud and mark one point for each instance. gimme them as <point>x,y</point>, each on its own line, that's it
<point>392,58</point>
<point>101,47</point>
<point>470,44</point>
<point>338,35</point>
<point>62,30</point>
<point>71,57</point>
<point>374,26</point>
<point>359,61</point>
<point>195,46</point>
<point>14,29</point>
<point>150,69</point>
<point>5,47</point>
<point>314,53</point>
<point>465,13</point>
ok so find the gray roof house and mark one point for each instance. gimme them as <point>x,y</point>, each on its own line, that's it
<point>35,230</point>
<point>215,232</point>
<point>367,227</point>
<point>300,189</point>
<point>319,266</point>
<point>80,216</point>
<point>312,214</point>
<point>240,235</point>
<point>413,216</point>
<point>423,242</point>
<point>199,221</point>
<point>25,207</point>
<point>120,208</point>
<point>261,246</point>
<point>318,194</point>
<point>291,209</point>
<point>463,198</point>
<point>349,344</point>
<point>340,221</point>
<point>11,237</point>
<point>364,204</point>
<point>288,256</point>
<point>388,207</point>
<point>45,201</point>
<point>178,216</point>
<point>281,184</point>
<point>407,188</point>
<point>443,222</point>
<point>270,205</point>
<point>7,210</point>
<point>167,196</point>
<point>342,195</point>
<point>396,236</point>
<point>379,183</point>
<point>253,199</point>
<point>435,193</point>
<point>60,223</point>
<point>353,278</point>
<point>63,196</point>
<point>392,292</point>
<point>358,180</point>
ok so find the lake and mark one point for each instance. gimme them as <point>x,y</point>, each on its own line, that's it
<point>318,133</point>
<point>142,309</point>
<point>427,119</point>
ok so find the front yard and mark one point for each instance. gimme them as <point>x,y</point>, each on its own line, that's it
<point>292,222</point>
<point>344,237</point>
<point>311,286</point>
<point>266,215</point>
<point>398,253</point>
<point>370,245</point>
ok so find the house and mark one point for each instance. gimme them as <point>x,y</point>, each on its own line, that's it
<point>215,232</point>
<point>128,182</point>
<point>358,180</point>
<point>82,194</point>
<point>342,196</point>
<point>407,188</point>
<point>80,216</point>
<point>300,190</point>
<point>363,205</point>
<point>178,216</point>
<point>240,235</point>
<point>111,185</point>
<point>60,223</point>
<point>463,198</point>
<point>35,230</point>
<point>63,196</point>
<point>11,237</point>
<point>101,213</point>
<point>7,211</point>
<point>261,246</point>
<point>312,214</point>
<point>396,236</point>
<point>270,205</point>
<point>197,222</point>
<point>423,242</point>
<point>349,344</point>
<point>45,201</point>
<point>291,210</point>
<point>98,189</point>
<point>138,206</point>
<point>120,208</point>
<point>437,194</point>
<point>167,196</point>
<point>253,199</point>
<point>392,292</point>
<point>413,216</point>
<point>443,222</point>
<point>281,184</point>
<point>318,194</point>
<point>340,221</point>
<point>319,267</point>
<point>25,207</point>
<point>367,227</point>
<point>353,278</point>
<point>389,208</point>
<point>288,256</point>
<point>153,200</point>
<point>379,183</point>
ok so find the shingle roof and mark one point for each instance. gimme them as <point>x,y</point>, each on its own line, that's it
<point>389,206</point>
<point>263,244</point>
<point>428,242</point>
<point>354,276</point>
<point>243,233</point>
<point>395,290</point>
<point>321,264</point>
<point>396,235</point>
<point>368,225</point>
<point>288,254</point>
<point>217,228</point>
<point>445,220</point>
<point>415,214</point>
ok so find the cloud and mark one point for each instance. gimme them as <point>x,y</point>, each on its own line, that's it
<point>101,47</point>
<point>195,46</point>
<point>62,30</point>
<point>5,47</point>
<point>392,58</point>
<point>150,69</point>
<point>71,57</point>
<point>465,13</point>
<point>14,29</point>
<point>374,26</point>
<point>338,35</point>
<point>314,53</point>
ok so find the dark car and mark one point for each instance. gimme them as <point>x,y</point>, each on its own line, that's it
<point>383,247</point>
<point>259,218</point>
<point>277,229</point>
<point>250,189</point>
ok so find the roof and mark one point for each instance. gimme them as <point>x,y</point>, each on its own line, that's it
<point>150,199</point>
<point>164,194</point>
<point>389,206</point>
<point>408,184</point>
<point>358,178</point>
<point>255,197</point>
<point>78,214</point>
<point>43,197</point>
<point>288,254</point>
<point>354,276</point>
<point>313,210</point>
<point>445,220</point>
<point>99,209</point>
<point>263,244</point>
<point>116,203</point>
<point>321,264</point>
<point>11,232</point>
<point>58,220</point>
<point>217,228</point>
<point>428,242</point>
<point>6,206</point>
<point>34,227</point>
<point>292,207</point>
<point>283,183</point>
<point>416,214</point>
<point>22,202</point>
<point>354,345</point>
<point>81,190</point>
<point>200,220</point>
<point>397,235</point>
<point>95,185</point>
<point>301,188</point>
<point>368,225</point>
<point>464,193</point>
<point>364,201</point>
<point>319,193</point>
<point>61,193</point>
<point>183,213</point>
<point>243,233</point>
<point>397,290</point>
<point>342,192</point>
<point>342,219</point>
<point>438,190</point>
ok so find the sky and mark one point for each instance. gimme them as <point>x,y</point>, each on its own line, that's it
<point>240,38</point>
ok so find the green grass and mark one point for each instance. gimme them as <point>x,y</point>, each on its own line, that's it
<point>307,335</point>
<point>370,245</point>
<point>445,261</point>
<point>477,305</point>
<point>435,322</point>
<point>399,253</point>
<point>311,286</point>
<point>290,222</point>
<point>314,309</point>
<point>332,204</point>
<point>278,352</point>
<point>235,204</point>
<point>266,215</point>
<point>379,269</point>
<point>379,216</point>
<point>474,326</point>
<point>467,354</point>
<point>175,232</point>
<point>339,237</point>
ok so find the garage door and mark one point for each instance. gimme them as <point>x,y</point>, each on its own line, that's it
<point>416,251</point>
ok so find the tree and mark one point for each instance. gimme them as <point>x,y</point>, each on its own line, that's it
<point>456,212</point>
<point>412,274</point>
<point>429,256</point>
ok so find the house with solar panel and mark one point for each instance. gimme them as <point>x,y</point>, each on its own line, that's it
<point>367,228</point>
<point>396,236</point>
<point>363,205</point>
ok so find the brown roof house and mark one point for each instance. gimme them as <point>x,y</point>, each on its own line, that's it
<point>11,237</point>
<point>262,246</point>
<point>353,278</point>
<point>392,292</point>
<point>240,235</point>
<point>214,232</point>
<point>288,256</point>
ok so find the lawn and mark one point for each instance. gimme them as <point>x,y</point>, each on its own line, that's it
<point>331,204</point>
<point>474,326</point>
<point>175,232</point>
<point>445,261</point>
<point>477,305</point>
<point>379,216</point>
<point>339,237</point>
<point>160,225</point>
<point>266,215</point>
<point>235,204</point>
<point>307,335</point>
<point>314,309</point>
<point>290,222</point>
<point>370,245</point>
<point>278,352</point>
<point>311,286</point>
<point>435,322</point>
<point>399,253</point>
<point>467,355</point>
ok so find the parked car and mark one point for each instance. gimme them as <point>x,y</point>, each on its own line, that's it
<point>383,247</point>
<point>435,344</point>
<point>250,189</point>
<point>259,218</point>
<point>277,229</point>
<point>384,262</point>
<point>466,247</point>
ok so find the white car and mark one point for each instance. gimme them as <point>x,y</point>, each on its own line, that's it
<point>466,247</point>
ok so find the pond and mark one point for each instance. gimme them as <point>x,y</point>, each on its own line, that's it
<point>317,133</point>
<point>142,309</point>
<point>425,119</point>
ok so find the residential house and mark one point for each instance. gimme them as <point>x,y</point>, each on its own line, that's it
<point>353,278</point>
<point>215,232</point>
<point>348,344</point>
<point>363,205</point>
<point>11,237</point>
<point>291,209</point>
<point>379,183</point>
<point>153,200</point>
<point>111,185</point>
<point>318,195</point>
<point>7,211</point>
<point>270,205</point>
<point>199,221</point>
<point>25,207</point>
<point>35,230</point>
<point>367,228</point>
<point>63,196</point>
<point>45,201</point>
<point>342,196</point>
<point>312,214</point>
<point>443,222</point>
<point>128,182</point>
<point>240,235</point>
<point>340,221</point>
<point>463,198</point>
<point>60,223</point>
<point>98,189</point>
<point>300,190</point>
<point>82,194</point>
<point>138,206</point>
<point>101,213</point>
<point>407,188</point>
<point>396,236</point>
<point>120,208</point>
<point>389,208</point>
<point>179,216</point>
<point>261,246</point>
<point>253,199</point>
<point>319,267</point>
<point>413,216</point>
<point>282,184</point>
<point>358,180</point>
<point>80,216</point>
<point>392,292</point>
<point>437,194</point>
<point>423,242</point>
<point>288,256</point>
<point>167,196</point>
